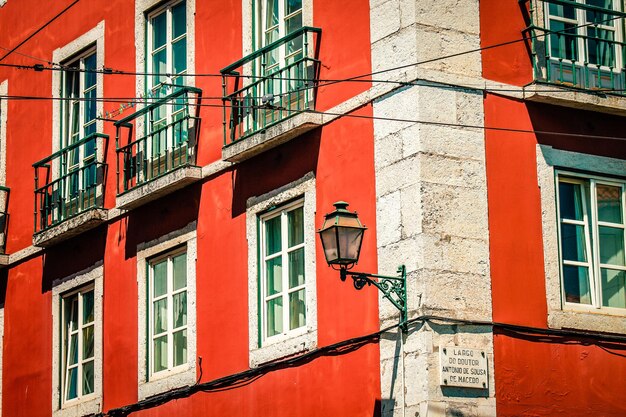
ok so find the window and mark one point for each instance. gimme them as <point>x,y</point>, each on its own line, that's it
<point>166,271</point>
<point>78,344</point>
<point>168,311</point>
<point>282,296</point>
<point>78,121</point>
<point>592,234</point>
<point>280,18</point>
<point>282,278</point>
<point>585,34</point>
<point>167,60</point>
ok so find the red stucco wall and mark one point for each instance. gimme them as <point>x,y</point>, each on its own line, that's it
<point>340,155</point>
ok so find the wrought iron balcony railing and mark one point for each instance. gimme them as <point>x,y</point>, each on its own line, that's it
<point>171,125</point>
<point>271,84</point>
<point>4,216</point>
<point>70,181</point>
<point>577,45</point>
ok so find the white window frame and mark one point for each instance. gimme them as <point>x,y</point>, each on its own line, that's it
<point>79,293</point>
<point>281,212</point>
<point>563,314</point>
<point>581,47</point>
<point>262,350</point>
<point>143,10</point>
<point>150,384</point>
<point>169,295</point>
<point>591,226</point>
<point>89,42</point>
<point>90,278</point>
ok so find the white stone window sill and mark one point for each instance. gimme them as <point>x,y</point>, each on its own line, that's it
<point>588,319</point>
<point>283,347</point>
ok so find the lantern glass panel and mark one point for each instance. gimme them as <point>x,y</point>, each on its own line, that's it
<point>329,241</point>
<point>350,243</point>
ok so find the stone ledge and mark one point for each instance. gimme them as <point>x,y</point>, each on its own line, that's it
<point>4,260</point>
<point>271,137</point>
<point>159,187</point>
<point>590,320</point>
<point>71,227</point>
<point>593,100</point>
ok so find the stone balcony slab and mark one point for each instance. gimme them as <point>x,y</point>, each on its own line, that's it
<point>158,187</point>
<point>271,137</point>
<point>71,227</point>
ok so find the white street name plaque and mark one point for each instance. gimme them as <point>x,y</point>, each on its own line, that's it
<point>461,367</point>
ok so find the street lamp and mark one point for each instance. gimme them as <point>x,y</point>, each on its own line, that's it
<point>342,236</point>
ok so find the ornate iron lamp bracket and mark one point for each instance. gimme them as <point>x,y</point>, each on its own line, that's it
<point>393,288</point>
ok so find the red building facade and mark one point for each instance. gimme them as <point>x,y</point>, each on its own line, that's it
<point>183,154</point>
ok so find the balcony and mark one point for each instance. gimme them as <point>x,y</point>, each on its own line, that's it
<point>4,223</point>
<point>164,158</point>
<point>577,46</point>
<point>69,191</point>
<point>267,95</point>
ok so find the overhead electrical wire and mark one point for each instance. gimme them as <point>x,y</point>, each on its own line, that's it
<point>607,342</point>
<point>29,37</point>
<point>382,118</point>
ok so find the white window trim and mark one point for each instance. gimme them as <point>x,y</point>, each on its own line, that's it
<point>91,403</point>
<point>304,338</point>
<point>247,15</point>
<point>550,161</point>
<point>94,37</point>
<point>144,8</point>
<point>181,375</point>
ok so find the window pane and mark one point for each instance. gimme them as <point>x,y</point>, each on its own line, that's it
<point>160,278</point>
<point>609,204</point>
<point>90,76</point>
<point>72,384</point>
<point>180,271</point>
<point>292,6</point>
<point>271,14</point>
<point>88,343</point>
<point>180,309</point>
<point>88,307</point>
<point>295,221</point>
<point>179,50</point>
<point>611,245</point>
<point>272,236</point>
<point>159,31</point>
<point>160,316</point>
<point>567,12</point>
<point>159,66</point>
<point>601,18</point>
<point>570,201</point>
<point>600,47</point>
<point>296,268</point>
<point>293,24</point>
<point>297,309</point>
<point>88,378</point>
<point>576,283</point>
<point>71,312</point>
<point>90,107</point>
<point>274,316</point>
<point>160,353</point>
<point>179,20</point>
<point>613,288</point>
<point>573,243</point>
<point>563,40</point>
<point>73,356</point>
<point>274,274</point>
<point>180,347</point>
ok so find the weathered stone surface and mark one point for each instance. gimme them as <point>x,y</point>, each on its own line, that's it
<point>159,187</point>
<point>271,137</point>
<point>71,227</point>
